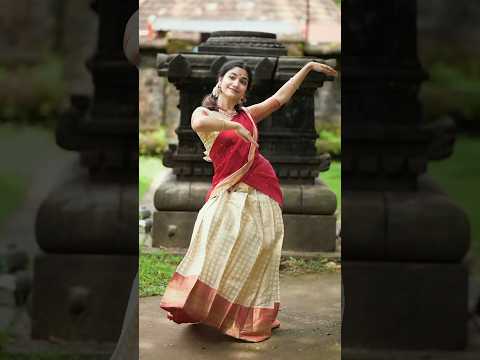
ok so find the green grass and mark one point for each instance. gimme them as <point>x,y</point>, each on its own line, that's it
<point>156,269</point>
<point>296,266</point>
<point>459,176</point>
<point>148,168</point>
<point>333,178</point>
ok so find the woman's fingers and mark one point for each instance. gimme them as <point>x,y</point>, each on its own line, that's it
<point>325,69</point>
<point>245,135</point>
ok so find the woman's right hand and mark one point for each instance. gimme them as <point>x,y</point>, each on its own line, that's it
<point>245,134</point>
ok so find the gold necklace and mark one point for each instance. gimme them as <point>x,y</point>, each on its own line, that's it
<point>229,114</point>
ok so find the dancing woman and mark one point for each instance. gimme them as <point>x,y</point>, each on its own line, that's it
<point>229,277</point>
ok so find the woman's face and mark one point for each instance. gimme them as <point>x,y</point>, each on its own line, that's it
<point>234,83</point>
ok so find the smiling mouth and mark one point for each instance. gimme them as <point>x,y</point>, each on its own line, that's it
<point>235,91</point>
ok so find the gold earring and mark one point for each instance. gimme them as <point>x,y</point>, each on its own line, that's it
<point>216,90</point>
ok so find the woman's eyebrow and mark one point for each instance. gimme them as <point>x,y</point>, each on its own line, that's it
<point>243,76</point>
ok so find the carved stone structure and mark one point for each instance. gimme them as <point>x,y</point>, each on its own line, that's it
<point>287,139</point>
<point>403,240</point>
<point>88,226</point>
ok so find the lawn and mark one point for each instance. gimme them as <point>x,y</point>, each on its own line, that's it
<point>158,266</point>
<point>459,176</point>
<point>156,269</point>
<point>148,168</point>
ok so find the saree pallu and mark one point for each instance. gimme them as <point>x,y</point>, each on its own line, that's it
<point>229,278</point>
<point>236,160</point>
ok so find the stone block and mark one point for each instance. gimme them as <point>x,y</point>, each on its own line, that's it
<point>173,228</point>
<point>302,232</point>
<point>395,305</point>
<point>81,297</point>
<point>89,217</point>
<point>403,226</point>
<point>363,225</point>
<point>309,232</point>
<point>316,199</point>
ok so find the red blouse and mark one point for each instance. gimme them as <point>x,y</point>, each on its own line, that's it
<point>229,153</point>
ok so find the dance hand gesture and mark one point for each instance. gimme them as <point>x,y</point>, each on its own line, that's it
<point>245,134</point>
<point>327,70</point>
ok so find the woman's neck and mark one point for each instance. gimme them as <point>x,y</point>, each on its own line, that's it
<point>226,104</point>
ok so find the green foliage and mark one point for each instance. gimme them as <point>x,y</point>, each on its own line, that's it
<point>459,176</point>
<point>453,87</point>
<point>329,140</point>
<point>156,270</point>
<point>148,168</point>
<point>32,93</point>
<point>153,143</point>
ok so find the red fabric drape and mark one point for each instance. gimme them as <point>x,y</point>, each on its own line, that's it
<point>230,152</point>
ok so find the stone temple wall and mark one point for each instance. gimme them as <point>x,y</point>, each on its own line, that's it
<point>159,100</point>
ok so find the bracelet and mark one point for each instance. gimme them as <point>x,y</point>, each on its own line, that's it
<point>223,124</point>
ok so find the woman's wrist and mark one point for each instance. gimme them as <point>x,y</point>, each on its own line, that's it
<point>231,125</point>
<point>310,66</point>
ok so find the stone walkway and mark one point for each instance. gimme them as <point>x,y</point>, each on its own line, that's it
<point>310,327</point>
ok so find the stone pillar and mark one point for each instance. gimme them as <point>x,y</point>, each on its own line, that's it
<point>287,139</point>
<point>403,241</point>
<point>88,226</point>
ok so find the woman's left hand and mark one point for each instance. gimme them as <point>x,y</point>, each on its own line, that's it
<point>327,70</point>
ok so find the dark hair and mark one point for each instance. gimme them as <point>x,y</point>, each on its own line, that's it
<point>210,101</point>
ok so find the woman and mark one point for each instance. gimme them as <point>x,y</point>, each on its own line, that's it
<point>229,278</point>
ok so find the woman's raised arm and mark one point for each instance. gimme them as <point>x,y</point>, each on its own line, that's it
<point>205,120</point>
<point>263,109</point>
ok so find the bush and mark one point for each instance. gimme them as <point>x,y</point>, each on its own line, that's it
<point>32,93</point>
<point>452,88</point>
<point>153,143</point>
<point>329,140</point>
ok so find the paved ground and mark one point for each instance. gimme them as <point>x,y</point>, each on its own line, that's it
<point>310,327</point>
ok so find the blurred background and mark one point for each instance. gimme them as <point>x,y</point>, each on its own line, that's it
<point>446,33</point>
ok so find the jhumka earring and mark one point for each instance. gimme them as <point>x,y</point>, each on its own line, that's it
<point>216,90</point>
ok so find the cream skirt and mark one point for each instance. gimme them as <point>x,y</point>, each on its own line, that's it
<point>229,277</point>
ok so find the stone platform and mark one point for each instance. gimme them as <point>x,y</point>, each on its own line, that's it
<point>309,210</point>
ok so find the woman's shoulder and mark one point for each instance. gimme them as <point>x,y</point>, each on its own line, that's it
<point>201,110</point>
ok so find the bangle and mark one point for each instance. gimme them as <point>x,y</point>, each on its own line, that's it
<point>223,124</point>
